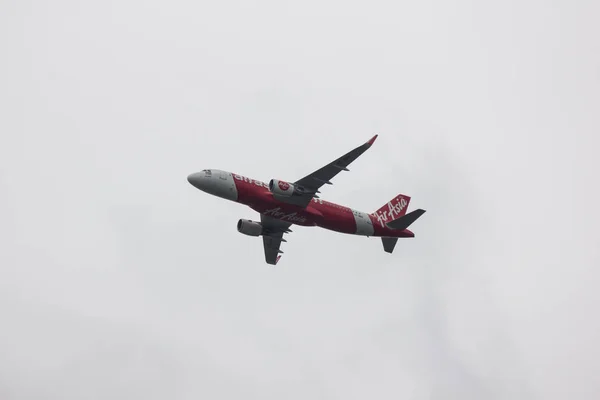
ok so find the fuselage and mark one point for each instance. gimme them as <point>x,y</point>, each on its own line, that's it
<point>256,195</point>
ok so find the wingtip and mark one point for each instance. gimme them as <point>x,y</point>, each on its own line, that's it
<point>370,142</point>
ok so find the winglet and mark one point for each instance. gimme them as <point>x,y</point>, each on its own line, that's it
<point>370,142</point>
<point>277,259</point>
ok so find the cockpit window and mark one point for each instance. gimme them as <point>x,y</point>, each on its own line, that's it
<point>207,172</point>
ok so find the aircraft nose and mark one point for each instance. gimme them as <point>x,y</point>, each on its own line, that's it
<point>196,179</point>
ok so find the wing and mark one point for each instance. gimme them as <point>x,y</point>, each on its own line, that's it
<point>311,183</point>
<point>273,230</point>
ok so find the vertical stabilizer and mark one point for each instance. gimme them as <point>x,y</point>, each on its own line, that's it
<point>393,209</point>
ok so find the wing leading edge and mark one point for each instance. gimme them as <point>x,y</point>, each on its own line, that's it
<point>313,182</point>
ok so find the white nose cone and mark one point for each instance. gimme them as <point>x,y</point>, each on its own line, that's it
<point>216,182</point>
<point>198,180</point>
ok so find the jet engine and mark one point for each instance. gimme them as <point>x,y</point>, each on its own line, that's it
<point>282,188</point>
<point>250,228</point>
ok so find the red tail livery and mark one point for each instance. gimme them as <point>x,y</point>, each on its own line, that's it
<point>393,209</point>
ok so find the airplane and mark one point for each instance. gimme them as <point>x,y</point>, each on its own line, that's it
<point>282,204</point>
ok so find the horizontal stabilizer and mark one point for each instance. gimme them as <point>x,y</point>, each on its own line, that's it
<point>389,243</point>
<point>406,220</point>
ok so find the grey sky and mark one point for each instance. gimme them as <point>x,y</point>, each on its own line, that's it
<point>120,280</point>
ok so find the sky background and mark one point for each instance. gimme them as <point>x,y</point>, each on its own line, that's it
<point>120,280</point>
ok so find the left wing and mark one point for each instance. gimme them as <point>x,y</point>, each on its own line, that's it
<point>311,183</point>
<point>273,230</point>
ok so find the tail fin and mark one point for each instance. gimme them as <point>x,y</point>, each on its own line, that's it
<point>393,209</point>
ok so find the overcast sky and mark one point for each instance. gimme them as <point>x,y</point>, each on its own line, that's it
<point>120,280</point>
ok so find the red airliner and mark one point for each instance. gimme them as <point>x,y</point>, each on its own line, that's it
<point>282,204</point>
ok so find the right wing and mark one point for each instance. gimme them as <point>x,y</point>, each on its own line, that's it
<point>311,183</point>
<point>272,237</point>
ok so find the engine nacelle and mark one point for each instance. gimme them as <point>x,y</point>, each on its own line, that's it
<point>281,188</point>
<point>250,228</point>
